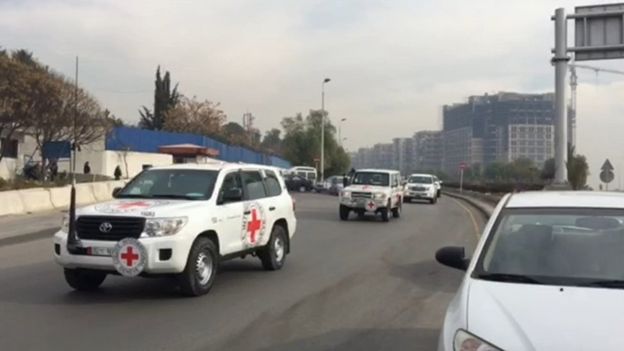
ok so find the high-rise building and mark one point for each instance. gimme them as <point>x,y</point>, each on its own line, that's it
<point>501,127</point>
<point>427,152</point>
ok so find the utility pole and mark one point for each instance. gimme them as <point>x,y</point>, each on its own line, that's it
<point>560,61</point>
<point>326,80</point>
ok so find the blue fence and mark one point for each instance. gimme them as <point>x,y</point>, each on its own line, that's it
<point>142,140</point>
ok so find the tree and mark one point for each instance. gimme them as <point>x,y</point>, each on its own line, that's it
<point>578,169</point>
<point>165,99</point>
<point>272,141</point>
<point>235,133</point>
<point>301,143</point>
<point>195,116</point>
<point>14,106</point>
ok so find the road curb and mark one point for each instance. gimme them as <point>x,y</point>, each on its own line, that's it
<point>485,210</point>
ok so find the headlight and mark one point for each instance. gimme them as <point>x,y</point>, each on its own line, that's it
<point>346,194</point>
<point>379,196</point>
<point>65,224</point>
<point>164,226</point>
<point>465,341</point>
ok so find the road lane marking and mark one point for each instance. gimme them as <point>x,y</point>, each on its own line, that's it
<point>472,218</point>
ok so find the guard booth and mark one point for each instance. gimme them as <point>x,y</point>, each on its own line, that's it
<point>190,153</point>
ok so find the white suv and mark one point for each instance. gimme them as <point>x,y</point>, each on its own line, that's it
<point>372,191</point>
<point>422,187</point>
<point>180,220</point>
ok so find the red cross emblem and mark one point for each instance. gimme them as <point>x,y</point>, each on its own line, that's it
<point>129,256</point>
<point>371,205</point>
<point>133,204</point>
<point>254,225</point>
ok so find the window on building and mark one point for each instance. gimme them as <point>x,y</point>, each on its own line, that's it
<point>10,147</point>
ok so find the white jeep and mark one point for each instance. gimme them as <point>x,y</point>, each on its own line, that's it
<point>374,191</point>
<point>180,221</point>
<point>422,187</point>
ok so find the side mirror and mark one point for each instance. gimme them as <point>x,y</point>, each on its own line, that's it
<point>116,191</point>
<point>232,195</point>
<point>453,256</point>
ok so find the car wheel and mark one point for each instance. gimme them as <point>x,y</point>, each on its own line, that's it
<point>84,279</point>
<point>396,212</point>
<point>344,212</point>
<point>439,193</point>
<point>407,199</point>
<point>273,255</point>
<point>433,201</point>
<point>201,268</point>
<point>385,213</point>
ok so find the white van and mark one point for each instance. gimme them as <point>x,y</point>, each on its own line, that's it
<point>306,172</point>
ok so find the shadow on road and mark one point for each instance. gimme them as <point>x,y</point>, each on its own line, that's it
<point>363,340</point>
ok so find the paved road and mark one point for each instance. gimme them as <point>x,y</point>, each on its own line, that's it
<point>357,285</point>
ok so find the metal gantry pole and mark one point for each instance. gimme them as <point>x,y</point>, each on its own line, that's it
<point>322,131</point>
<point>560,61</point>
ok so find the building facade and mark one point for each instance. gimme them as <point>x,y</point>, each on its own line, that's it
<point>501,127</point>
<point>427,151</point>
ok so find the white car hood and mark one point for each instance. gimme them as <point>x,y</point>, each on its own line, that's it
<point>139,207</point>
<point>541,317</point>
<point>367,188</point>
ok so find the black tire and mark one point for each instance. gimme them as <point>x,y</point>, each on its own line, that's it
<point>433,201</point>
<point>201,268</point>
<point>439,193</point>
<point>396,212</point>
<point>385,213</point>
<point>344,212</point>
<point>407,199</point>
<point>84,279</point>
<point>273,255</point>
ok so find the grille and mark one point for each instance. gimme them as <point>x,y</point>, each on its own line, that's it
<point>361,195</point>
<point>418,188</point>
<point>88,227</point>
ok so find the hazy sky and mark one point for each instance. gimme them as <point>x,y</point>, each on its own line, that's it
<point>393,63</point>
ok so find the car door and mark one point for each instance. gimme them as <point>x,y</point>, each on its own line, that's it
<point>230,214</point>
<point>257,214</point>
<point>279,206</point>
<point>396,190</point>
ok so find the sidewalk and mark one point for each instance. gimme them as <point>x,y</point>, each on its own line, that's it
<point>20,228</point>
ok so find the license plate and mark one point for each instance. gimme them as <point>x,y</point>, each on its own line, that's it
<point>100,251</point>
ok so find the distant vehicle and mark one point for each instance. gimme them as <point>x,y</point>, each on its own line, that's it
<point>374,191</point>
<point>334,185</point>
<point>180,221</point>
<point>438,184</point>
<point>297,183</point>
<point>421,186</point>
<point>546,275</point>
<point>308,173</point>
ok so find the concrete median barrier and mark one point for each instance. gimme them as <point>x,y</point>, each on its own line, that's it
<point>35,200</point>
<point>11,203</point>
<point>60,197</point>
<point>84,194</point>
<point>100,191</point>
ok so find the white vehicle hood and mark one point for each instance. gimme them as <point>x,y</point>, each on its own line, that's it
<point>541,317</point>
<point>367,188</point>
<point>139,207</point>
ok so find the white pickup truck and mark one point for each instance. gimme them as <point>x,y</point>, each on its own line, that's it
<point>373,191</point>
<point>180,221</point>
<point>422,187</point>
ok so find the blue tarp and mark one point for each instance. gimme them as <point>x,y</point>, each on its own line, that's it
<point>142,140</point>
<point>55,150</point>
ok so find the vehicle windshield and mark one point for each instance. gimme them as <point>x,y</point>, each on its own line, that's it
<point>420,180</point>
<point>188,184</point>
<point>556,246</point>
<point>371,178</point>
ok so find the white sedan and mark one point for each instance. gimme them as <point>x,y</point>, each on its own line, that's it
<point>547,274</point>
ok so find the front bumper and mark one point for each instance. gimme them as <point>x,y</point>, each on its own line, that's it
<point>414,194</point>
<point>362,203</point>
<point>157,261</point>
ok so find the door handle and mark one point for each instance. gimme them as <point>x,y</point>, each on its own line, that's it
<point>247,212</point>
<point>272,208</point>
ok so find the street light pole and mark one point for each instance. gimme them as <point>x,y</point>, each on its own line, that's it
<point>339,130</point>
<point>326,80</point>
<point>560,61</point>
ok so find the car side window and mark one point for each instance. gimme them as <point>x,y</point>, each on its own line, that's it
<point>230,182</point>
<point>272,184</point>
<point>395,181</point>
<point>254,186</point>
